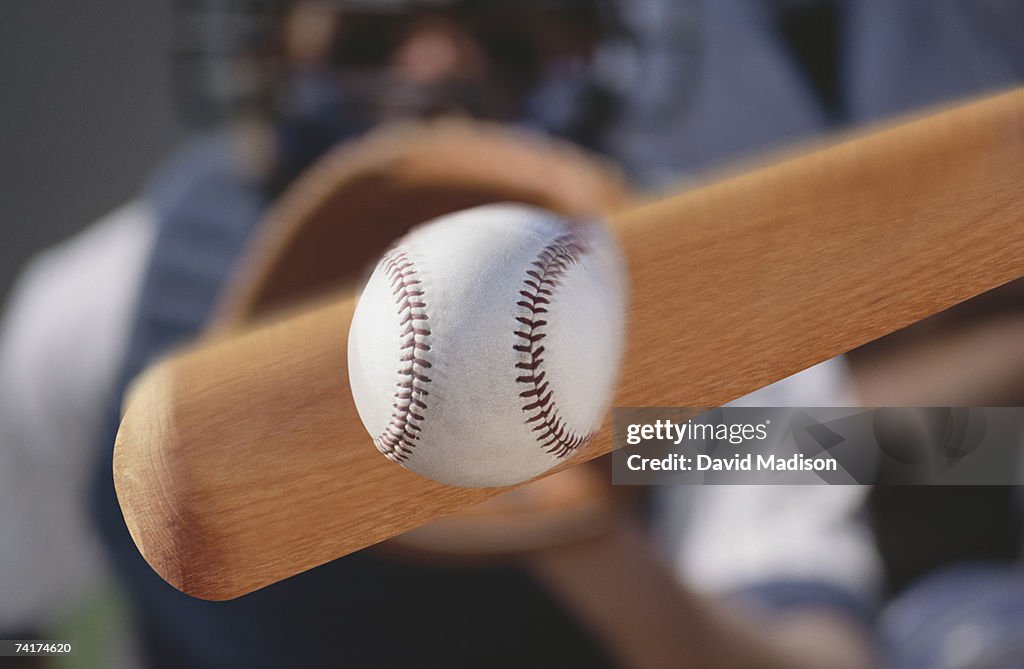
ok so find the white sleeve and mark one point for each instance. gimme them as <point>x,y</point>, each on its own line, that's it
<point>728,538</point>
<point>61,343</point>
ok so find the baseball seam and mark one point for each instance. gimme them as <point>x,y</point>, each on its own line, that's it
<point>542,279</point>
<point>398,439</point>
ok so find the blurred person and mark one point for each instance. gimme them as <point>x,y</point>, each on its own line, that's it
<point>933,567</point>
<point>64,331</point>
<point>567,68</point>
<point>632,92</point>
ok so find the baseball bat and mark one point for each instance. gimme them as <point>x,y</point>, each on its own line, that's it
<point>241,461</point>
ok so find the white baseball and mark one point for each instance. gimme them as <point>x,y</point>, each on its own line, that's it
<point>484,348</point>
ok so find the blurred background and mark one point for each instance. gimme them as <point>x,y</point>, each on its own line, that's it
<point>86,103</point>
<point>142,144</point>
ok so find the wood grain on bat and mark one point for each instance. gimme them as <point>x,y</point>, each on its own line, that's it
<point>242,462</point>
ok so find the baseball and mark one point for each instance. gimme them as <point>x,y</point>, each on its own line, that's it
<point>485,346</point>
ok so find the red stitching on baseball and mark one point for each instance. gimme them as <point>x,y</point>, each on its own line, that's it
<point>542,278</point>
<point>399,437</point>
